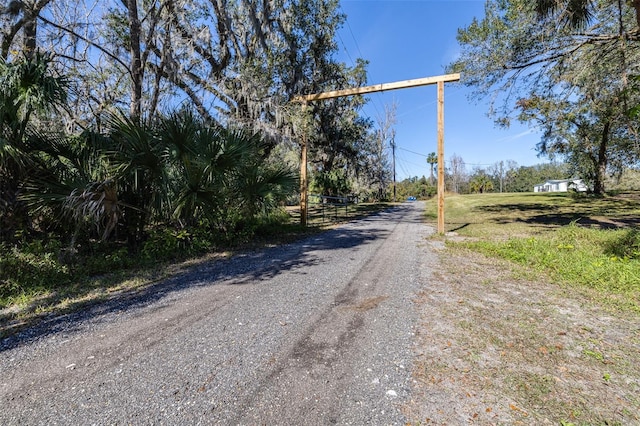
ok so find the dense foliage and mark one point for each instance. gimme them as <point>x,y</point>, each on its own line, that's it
<point>236,63</point>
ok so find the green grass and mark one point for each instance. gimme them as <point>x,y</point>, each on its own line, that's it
<point>581,242</point>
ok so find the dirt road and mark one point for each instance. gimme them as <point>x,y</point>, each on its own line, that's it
<point>317,332</point>
<point>370,323</point>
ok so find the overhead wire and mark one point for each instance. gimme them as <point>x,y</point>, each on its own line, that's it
<point>377,96</point>
<point>413,152</point>
<point>414,164</point>
<point>401,162</point>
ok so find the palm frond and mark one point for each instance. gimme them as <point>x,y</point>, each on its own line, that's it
<point>97,203</point>
<point>261,188</point>
<point>576,14</point>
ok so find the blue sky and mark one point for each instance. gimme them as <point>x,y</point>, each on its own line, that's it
<point>404,40</point>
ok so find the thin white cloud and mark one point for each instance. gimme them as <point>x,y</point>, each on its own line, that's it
<point>520,135</point>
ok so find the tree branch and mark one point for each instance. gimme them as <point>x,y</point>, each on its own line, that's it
<point>86,40</point>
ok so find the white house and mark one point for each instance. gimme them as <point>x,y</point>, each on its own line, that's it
<point>561,185</point>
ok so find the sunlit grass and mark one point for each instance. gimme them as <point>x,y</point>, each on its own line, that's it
<point>590,243</point>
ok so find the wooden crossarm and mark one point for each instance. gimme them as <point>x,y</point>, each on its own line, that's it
<point>378,88</point>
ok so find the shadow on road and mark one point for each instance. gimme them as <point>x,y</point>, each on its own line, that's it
<point>242,269</point>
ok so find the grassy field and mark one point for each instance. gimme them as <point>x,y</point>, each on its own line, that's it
<point>577,241</point>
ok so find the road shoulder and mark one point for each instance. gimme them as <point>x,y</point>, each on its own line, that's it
<point>497,349</point>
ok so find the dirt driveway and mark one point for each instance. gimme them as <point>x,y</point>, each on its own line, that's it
<point>494,349</point>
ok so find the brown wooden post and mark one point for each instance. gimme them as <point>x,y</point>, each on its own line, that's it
<point>441,157</point>
<point>303,169</point>
<point>439,80</point>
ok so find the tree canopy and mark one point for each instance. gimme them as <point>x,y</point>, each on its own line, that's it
<point>131,113</point>
<point>565,67</point>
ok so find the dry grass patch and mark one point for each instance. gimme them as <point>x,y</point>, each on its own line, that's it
<point>498,350</point>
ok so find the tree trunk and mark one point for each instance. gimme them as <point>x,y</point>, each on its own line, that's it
<point>28,25</point>
<point>30,31</point>
<point>636,6</point>
<point>601,162</point>
<point>137,72</point>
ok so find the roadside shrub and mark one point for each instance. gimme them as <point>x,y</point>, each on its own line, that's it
<point>30,270</point>
<point>166,243</point>
<point>110,258</point>
<point>272,223</point>
<point>171,244</point>
<point>627,246</point>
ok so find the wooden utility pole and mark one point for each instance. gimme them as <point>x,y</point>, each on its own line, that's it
<point>439,80</point>
<point>393,149</point>
<point>303,169</point>
<point>440,157</point>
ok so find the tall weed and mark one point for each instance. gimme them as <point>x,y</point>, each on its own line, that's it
<point>29,271</point>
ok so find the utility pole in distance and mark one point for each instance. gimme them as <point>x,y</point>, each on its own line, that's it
<point>393,151</point>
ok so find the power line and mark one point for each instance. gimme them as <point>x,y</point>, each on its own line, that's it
<point>344,46</point>
<point>413,152</point>
<point>351,32</point>
<point>447,161</point>
<point>377,97</point>
<point>412,163</point>
<point>402,166</point>
<point>477,164</point>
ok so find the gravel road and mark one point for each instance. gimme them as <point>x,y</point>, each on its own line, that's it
<point>316,332</point>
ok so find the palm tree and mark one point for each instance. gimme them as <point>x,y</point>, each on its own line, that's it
<point>572,13</point>
<point>70,179</point>
<point>432,159</point>
<point>260,188</point>
<point>136,155</point>
<point>481,184</point>
<point>218,171</point>
<point>202,160</point>
<point>28,87</point>
<point>575,13</point>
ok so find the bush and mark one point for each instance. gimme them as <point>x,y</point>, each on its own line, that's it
<point>166,243</point>
<point>627,246</point>
<point>32,270</point>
